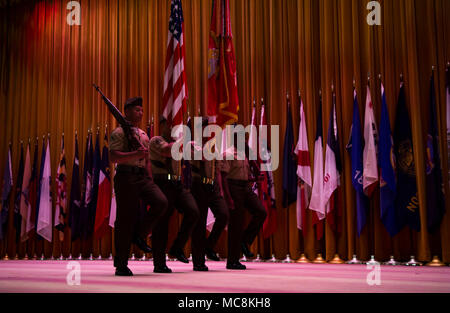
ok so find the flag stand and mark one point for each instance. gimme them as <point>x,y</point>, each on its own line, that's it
<point>412,262</point>
<point>436,262</point>
<point>354,260</point>
<point>372,237</point>
<point>392,261</point>
<point>287,259</point>
<point>336,259</point>
<point>319,259</point>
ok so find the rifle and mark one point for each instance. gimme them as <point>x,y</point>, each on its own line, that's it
<point>133,142</point>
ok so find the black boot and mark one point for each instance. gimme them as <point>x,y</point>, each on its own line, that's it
<point>123,271</point>
<point>212,255</point>
<point>245,249</point>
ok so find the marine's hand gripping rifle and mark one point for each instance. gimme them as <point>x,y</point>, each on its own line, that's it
<point>133,142</point>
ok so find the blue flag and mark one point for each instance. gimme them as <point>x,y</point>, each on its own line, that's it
<point>6,193</point>
<point>75,197</point>
<point>388,184</point>
<point>87,188</point>
<point>289,163</point>
<point>435,194</point>
<point>355,147</point>
<point>406,200</point>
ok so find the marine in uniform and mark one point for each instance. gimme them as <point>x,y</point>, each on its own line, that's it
<point>133,183</point>
<point>237,181</point>
<point>167,175</point>
<point>206,191</point>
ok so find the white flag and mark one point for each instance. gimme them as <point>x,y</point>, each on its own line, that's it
<point>303,170</point>
<point>44,225</point>
<point>370,164</point>
<point>112,212</point>
<point>331,176</point>
<point>317,198</point>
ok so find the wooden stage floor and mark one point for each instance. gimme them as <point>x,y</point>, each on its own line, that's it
<point>34,276</point>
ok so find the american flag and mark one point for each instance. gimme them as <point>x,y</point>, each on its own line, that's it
<point>175,90</point>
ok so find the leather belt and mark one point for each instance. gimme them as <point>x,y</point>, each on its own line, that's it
<point>203,180</point>
<point>167,177</point>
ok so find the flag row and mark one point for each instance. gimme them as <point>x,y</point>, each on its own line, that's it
<point>383,159</point>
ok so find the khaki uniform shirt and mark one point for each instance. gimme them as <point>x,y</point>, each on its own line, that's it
<point>235,169</point>
<point>157,145</point>
<point>118,142</point>
<point>209,166</point>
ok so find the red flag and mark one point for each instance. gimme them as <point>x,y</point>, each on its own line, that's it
<point>175,89</point>
<point>104,195</point>
<point>223,101</point>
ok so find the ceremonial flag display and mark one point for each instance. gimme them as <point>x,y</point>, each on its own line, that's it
<point>435,193</point>
<point>388,184</point>
<point>370,163</point>
<point>104,194</point>
<point>44,219</point>
<point>355,147</point>
<point>332,173</point>
<point>303,172</point>
<point>61,195</point>
<point>317,203</point>
<point>175,89</point>
<point>289,164</point>
<point>25,205</point>
<point>223,100</point>
<point>406,200</point>
<point>6,193</point>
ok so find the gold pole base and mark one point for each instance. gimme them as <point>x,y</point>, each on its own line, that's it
<point>336,260</point>
<point>319,259</point>
<point>435,262</point>
<point>6,258</point>
<point>303,259</point>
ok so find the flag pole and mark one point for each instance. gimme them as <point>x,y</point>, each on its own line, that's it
<point>336,259</point>
<point>354,259</point>
<point>287,259</point>
<point>302,258</point>
<point>319,259</point>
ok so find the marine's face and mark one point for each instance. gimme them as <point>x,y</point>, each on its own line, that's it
<point>134,114</point>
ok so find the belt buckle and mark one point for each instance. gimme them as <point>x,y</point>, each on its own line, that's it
<point>207,181</point>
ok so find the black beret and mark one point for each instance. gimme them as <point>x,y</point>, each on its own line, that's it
<point>132,102</point>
